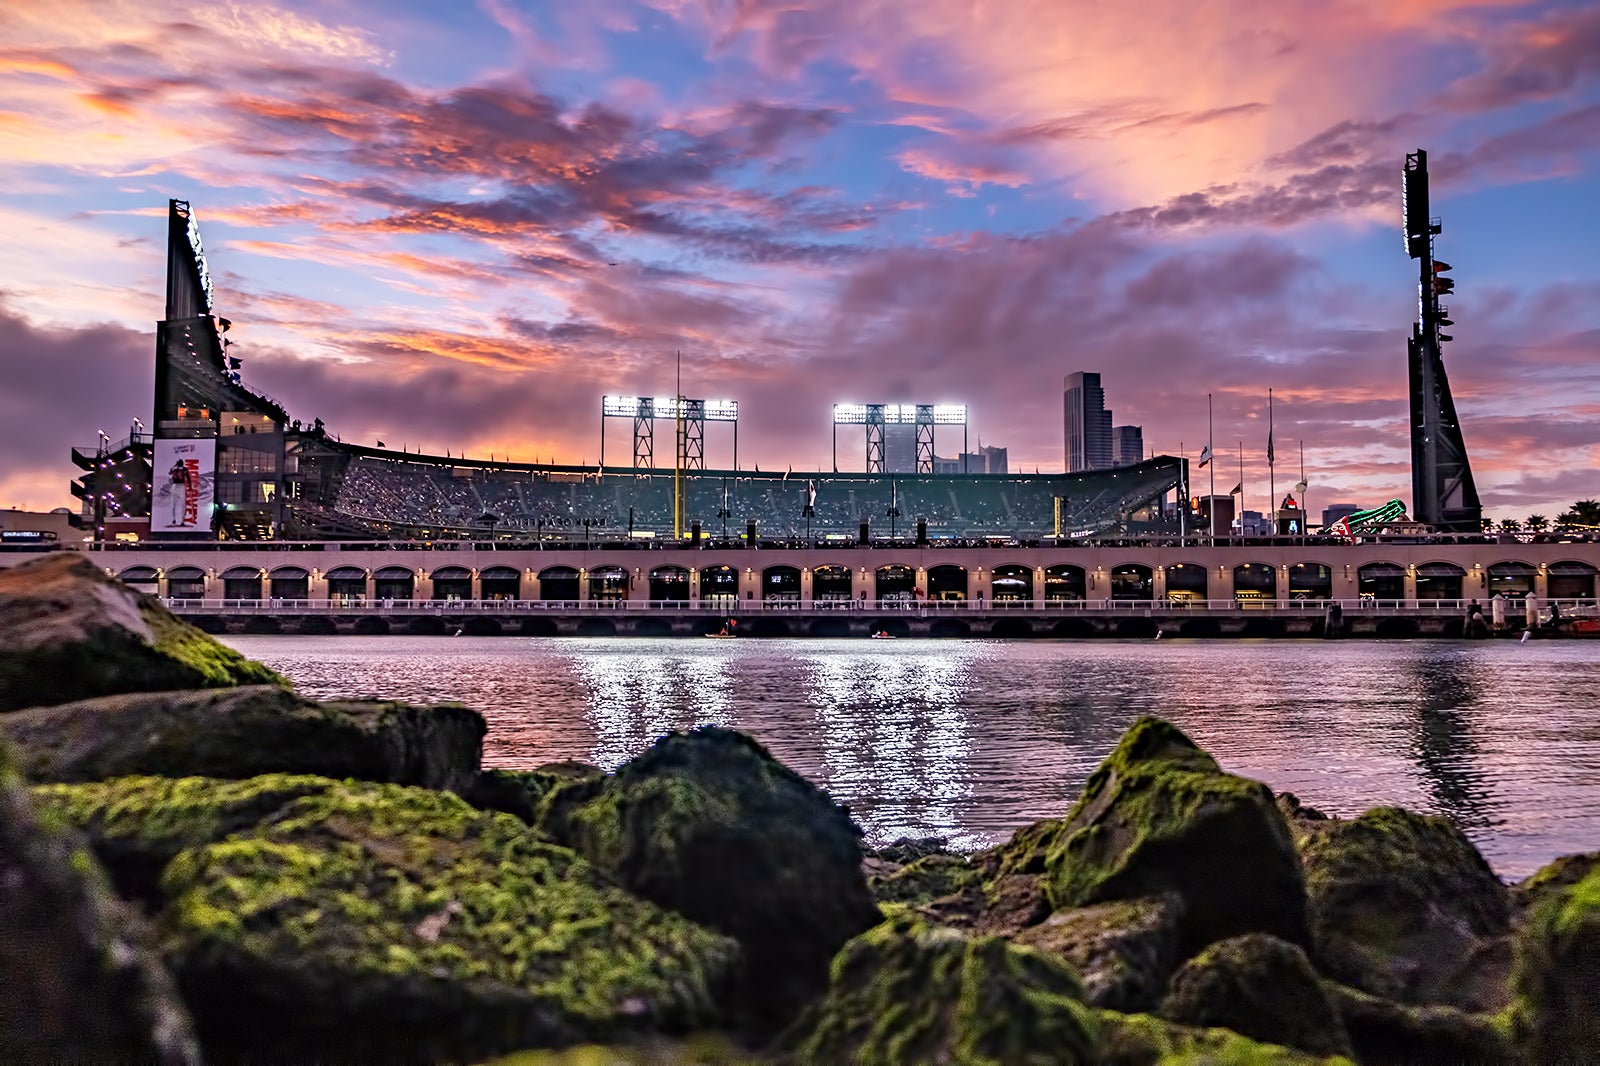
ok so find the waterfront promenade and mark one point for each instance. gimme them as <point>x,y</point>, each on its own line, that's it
<point>1393,587</point>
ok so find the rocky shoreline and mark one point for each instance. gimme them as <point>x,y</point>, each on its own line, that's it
<point>196,864</point>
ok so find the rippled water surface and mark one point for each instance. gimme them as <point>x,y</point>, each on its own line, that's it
<point>971,739</point>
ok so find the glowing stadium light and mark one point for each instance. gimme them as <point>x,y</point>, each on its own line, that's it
<point>667,407</point>
<point>849,414</point>
<point>620,406</point>
<point>950,414</point>
<point>722,410</point>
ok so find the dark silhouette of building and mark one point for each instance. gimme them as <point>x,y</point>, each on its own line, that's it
<point>1127,445</point>
<point>1088,423</point>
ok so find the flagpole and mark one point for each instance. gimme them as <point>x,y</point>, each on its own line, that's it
<point>1211,504</point>
<point>1183,499</point>
<point>1272,481</point>
<point>1241,490</point>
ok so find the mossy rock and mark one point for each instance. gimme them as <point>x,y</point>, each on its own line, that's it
<point>245,732</point>
<point>1386,1033</point>
<point>699,1049</point>
<point>1557,974</point>
<point>1160,817</point>
<point>1124,950</point>
<point>926,879</point>
<point>709,824</point>
<point>516,792</point>
<point>69,632</point>
<point>1145,1040</point>
<point>81,983</point>
<point>1260,987</point>
<point>908,992</point>
<point>1404,907</point>
<point>368,922</point>
<point>1558,876</point>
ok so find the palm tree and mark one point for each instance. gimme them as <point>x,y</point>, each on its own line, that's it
<point>1582,513</point>
<point>1509,525</point>
<point>1538,522</point>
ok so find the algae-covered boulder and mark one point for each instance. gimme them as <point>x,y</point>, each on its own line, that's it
<point>1557,876</point>
<point>710,825</point>
<point>69,632</point>
<point>78,982</point>
<point>925,880</point>
<point>1261,987</point>
<point>1145,1040</point>
<point>908,993</point>
<point>1403,906</point>
<point>1557,974</point>
<point>1124,950</point>
<point>517,792</point>
<point>1159,817</point>
<point>244,732</point>
<point>368,922</point>
<point>1386,1033</point>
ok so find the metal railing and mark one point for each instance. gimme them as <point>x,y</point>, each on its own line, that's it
<point>1515,610</point>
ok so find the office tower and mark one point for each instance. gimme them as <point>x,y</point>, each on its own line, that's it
<point>1088,423</point>
<point>1127,445</point>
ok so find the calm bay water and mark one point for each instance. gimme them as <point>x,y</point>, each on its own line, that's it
<point>972,739</point>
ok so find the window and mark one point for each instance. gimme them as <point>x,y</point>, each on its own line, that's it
<point>242,461</point>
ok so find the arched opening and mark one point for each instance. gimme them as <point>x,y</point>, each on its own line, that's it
<point>830,627</point>
<point>1012,629</point>
<point>1309,582</point>
<point>290,583</point>
<point>263,625</point>
<point>1187,583</point>
<point>1381,581</point>
<point>770,627</point>
<point>1202,628</point>
<point>1012,584</point>
<point>1254,583</point>
<point>892,626</point>
<point>950,627</point>
<point>141,579</point>
<point>186,583</point>
<point>1512,579</point>
<point>830,584</point>
<point>1074,629</point>
<point>1439,581</point>
<point>394,583</point>
<point>500,583</point>
<point>608,584</point>
<point>1131,581</point>
<point>427,626</point>
<point>371,627</point>
<point>539,627</point>
<point>1571,580</point>
<point>558,583</point>
<point>347,584</point>
<point>719,586</point>
<point>316,625</point>
<point>597,627</point>
<point>242,583</point>
<point>482,627</point>
<point>896,586</point>
<point>781,584</point>
<point>452,583</point>
<point>947,583</point>
<point>653,627</point>
<point>670,583</point>
<point>1066,583</point>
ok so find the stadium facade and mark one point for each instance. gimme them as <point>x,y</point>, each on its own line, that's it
<point>222,461</point>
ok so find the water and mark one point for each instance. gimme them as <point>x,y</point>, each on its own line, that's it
<point>972,739</point>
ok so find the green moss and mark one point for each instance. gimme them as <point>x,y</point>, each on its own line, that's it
<point>925,880</point>
<point>1556,972</point>
<point>908,992</point>
<point>1145,1040</point>
<point>215,664</point>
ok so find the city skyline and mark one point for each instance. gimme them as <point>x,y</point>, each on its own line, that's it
<point>459,234</point>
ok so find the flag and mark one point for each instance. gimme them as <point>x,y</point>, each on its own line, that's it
<point>1269,447</point>
<point>382,445</point>
<point>811,493</point>
<point>1237,489</point>
<point>1205,455</point>
<point>787,472</point>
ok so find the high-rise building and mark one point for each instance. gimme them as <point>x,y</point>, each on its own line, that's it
<point>994,460</point>
<point>900,448</point>
<point>1088,423</point>
<point>1127,445</point>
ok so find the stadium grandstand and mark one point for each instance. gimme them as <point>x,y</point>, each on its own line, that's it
<point>224,461</point>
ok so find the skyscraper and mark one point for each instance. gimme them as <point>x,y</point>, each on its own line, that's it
<point>1088,423</point>
<point>1127,445</point>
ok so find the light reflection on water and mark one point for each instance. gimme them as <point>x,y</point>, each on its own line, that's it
<point>971,739</point>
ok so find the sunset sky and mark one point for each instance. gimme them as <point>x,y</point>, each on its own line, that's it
<point>454,226</point>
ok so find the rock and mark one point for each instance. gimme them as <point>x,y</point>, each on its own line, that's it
<point>244,732</point>
<point>908,993</point>
<point>1557,972</point>
<point>1386,1033</point>
<point>1260,987</point>
<point>1145,1040</point>
<point>69,632</point>
<point>1403,906</point>
<point>1561,874</point>
<point>1124,951</point>
<point>517,792</point>
<point>1160,817</point>
<point>1296,811</point>
<point>708,824</point>
<point>906,850</point>
<point>371,922</point>
<point>80,982</point>
<point>925,880</point>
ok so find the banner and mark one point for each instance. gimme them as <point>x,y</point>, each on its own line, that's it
<point>183,488</point>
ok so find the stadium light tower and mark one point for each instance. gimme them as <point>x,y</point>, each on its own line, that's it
<point>876,416</point>
<point>691,415</point>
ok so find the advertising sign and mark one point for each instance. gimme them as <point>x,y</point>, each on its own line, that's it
<point>184,486</point>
